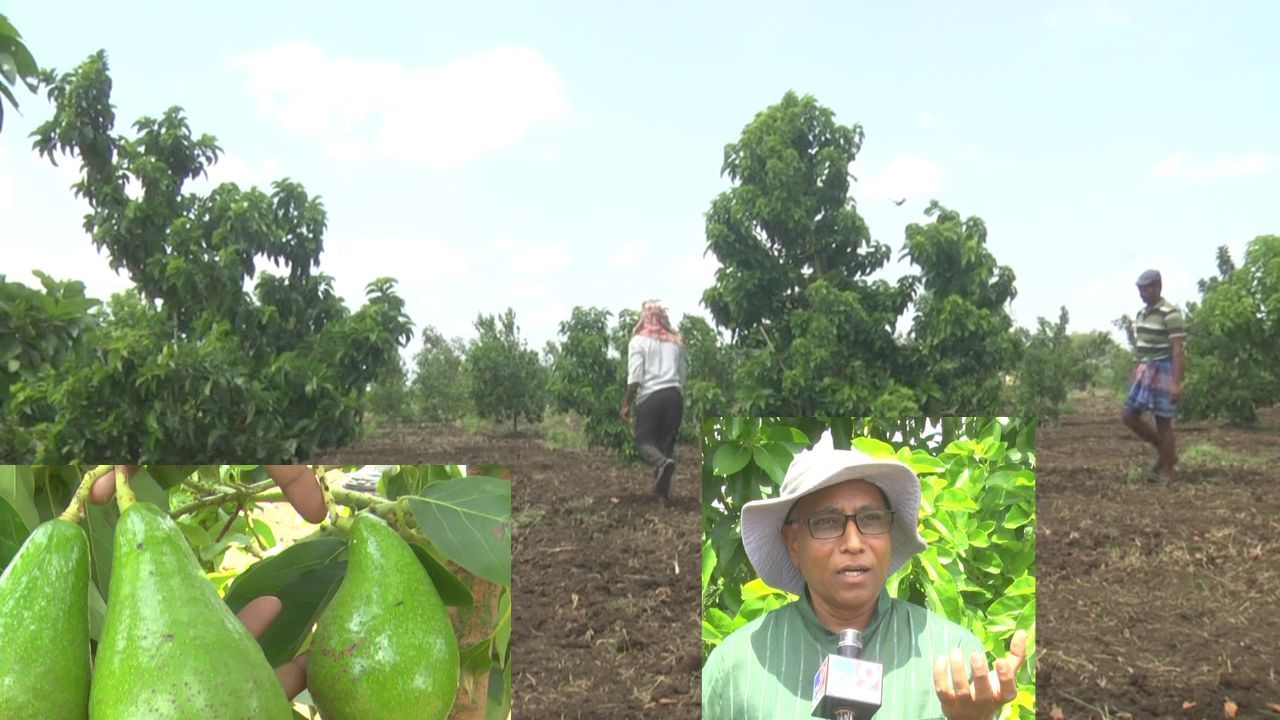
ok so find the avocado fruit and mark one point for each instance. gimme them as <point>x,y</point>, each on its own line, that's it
<point>44,626</point>
<point>171,649</point>
<point>384,647</point>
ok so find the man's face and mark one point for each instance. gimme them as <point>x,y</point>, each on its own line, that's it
<point>1150,293</point>
<point>847,572</point>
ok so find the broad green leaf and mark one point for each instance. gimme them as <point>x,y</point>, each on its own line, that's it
<point>1017,516</point>
<point>269,575</point>
<point>97,613</point>
<point>475,659</point>
<point>167,476</point>
<point>52,493</point>
<point>502,632</point>
<point>304,598</point>
<point>875,448</point>
<point>708,563</point>
<point>17,486</point>
<point>13,531</point>
<point>100,524</point>
<point>469,520</point>
<point>452,590</point>
<point>498,704</point>
<point>731,458</point>
<point>148,490</point>
<point>263,531</point>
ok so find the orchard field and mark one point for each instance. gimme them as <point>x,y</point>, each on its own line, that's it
<point>1158,601</point>
<point>605,607</point>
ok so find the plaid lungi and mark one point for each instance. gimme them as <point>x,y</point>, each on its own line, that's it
<point>1149,390</point>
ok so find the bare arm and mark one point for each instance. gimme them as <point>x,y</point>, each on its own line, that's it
<point>627,397</point>
<point>1176,345</point>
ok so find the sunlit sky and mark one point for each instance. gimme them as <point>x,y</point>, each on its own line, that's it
<point>551,154</point>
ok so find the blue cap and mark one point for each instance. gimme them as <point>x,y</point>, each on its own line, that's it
<point>1149,277</point>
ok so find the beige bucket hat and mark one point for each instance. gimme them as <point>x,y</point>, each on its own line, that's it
<point>816,469</point>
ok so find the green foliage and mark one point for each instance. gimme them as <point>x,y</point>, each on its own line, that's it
<point>1233,337</point>
<point>588,376</point>
<point>1046,370</point>
<point>811,333</point>
<point>709,389</point>
<point>814,334</point>
<point>39,330</point>
<point>187,364</point>
<point>961,338</point>
<point>977,518</point>
<point>1100,362</point>
<point>506,379</point>
<point>388,396</point>
<point>16,64</point>
<point>438,392</point>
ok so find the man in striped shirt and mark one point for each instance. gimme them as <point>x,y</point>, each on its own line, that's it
<point>842,523</point>
<point>1157,377</point>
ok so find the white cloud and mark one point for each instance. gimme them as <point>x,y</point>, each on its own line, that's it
<point>629,254</point>
<point>1104,13</point>
<point>1055,17</point>
<point>438,117</point>
<point>906,176</point>
<point>927,120</point>
<point>523,290</point>
<point>1176,167</point>
<point>693,272</point>
<point>539,260</point>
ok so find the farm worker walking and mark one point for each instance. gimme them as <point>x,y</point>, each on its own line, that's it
<point>656,372</point>
<point>1157,377</point>
<point>842,523</point>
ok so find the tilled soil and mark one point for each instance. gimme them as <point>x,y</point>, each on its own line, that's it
<point>1157,601</point>
<point>605,610</point>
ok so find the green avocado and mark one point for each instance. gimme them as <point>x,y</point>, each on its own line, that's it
<point>384,647</point>
<point>44,626</point>
<point>171,648</point>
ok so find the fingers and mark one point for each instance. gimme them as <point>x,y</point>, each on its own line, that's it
<point>258,615</point>
<point>293,676</point>
<point>984,687</point>
<point>941,685</point>
<point>104,488</point>
<point>301,489</point>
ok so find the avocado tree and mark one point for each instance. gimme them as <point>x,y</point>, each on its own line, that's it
<point>712,362</point>
<point>506,379</point>
<point>1046,369</point>
<point>587,377</point>
<point>438,391</point>
<point>16,65</point>
<point>187,364</point>
<point>1233,336</point>
<point>814,333</point>
<point>961,341</point>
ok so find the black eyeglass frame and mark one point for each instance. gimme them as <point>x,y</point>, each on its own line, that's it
<point>844,527</point>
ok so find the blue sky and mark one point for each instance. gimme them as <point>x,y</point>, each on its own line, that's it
<point>551,154</point>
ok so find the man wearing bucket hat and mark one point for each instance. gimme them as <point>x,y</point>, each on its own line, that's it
<point>1157,377</point>
<point>841,524</point>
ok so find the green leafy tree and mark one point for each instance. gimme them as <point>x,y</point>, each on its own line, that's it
<point>961,337</point>
<point>16,65</point>
<point>388,396</point>
<point>1233,337</point>
<point>1100,361</point>
<point>438,390</point>
<point>506,379</point>
<point>1046,370</point>
<point>712,363</point>
<point>815,335</point>
<point>588,377</point>
<point>978,519</point>
<point>187,364</point>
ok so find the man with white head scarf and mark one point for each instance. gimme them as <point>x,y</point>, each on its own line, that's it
<point>842,523</point>
<point>656,374</point>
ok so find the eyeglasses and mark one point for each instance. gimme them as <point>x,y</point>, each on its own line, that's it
<point>827,525</point>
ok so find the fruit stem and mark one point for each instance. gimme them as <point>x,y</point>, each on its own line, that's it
<point>236,494</point>
<point>75,509</point>
<point>124,494</point>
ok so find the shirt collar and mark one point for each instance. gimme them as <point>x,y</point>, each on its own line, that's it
<point>820,633</point>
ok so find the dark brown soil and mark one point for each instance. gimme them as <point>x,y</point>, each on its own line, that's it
<point>605,610</point>
<point>1157,601</point>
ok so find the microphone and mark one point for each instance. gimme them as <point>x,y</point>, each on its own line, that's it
<point>846,688</point>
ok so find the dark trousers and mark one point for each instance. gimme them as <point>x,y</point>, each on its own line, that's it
<point>657,425</point>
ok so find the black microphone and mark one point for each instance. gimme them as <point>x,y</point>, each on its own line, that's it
<point>846,688</point>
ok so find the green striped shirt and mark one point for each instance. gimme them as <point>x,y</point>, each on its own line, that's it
<point>1152,329</point>
<point>765,669</point>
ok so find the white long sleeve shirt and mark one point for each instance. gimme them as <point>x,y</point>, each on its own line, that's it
<point>655,364</point>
